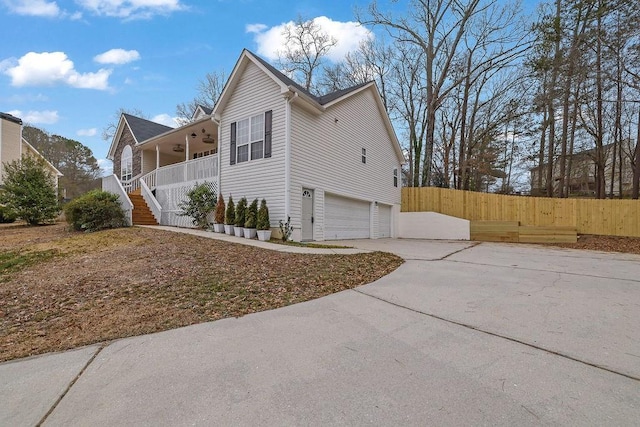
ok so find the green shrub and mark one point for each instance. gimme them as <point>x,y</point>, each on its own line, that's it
<point>94,211</point>
<point>30,191</point>
<point>251,215</point>
<point>7,215</point>
<point>220,210</point>
<point>263,216</point>
<point>201,201</point>
<point>230,216</point>
<point>240,212</point>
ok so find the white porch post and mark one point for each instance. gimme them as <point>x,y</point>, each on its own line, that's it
<point>186,155</point>
<point>157,156</point>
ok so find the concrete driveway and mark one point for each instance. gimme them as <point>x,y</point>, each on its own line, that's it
<point>461,334</point>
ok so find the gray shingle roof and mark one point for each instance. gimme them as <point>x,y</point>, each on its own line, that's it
<point>324,99</point>
<point>206,109</point>
<point>144,129</point>
<point>11,118</point>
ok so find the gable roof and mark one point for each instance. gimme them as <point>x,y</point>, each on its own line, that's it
<point>37,153</point>
<point>141,129</point>
<point>301,96</point>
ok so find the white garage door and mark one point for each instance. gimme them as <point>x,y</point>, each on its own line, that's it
<point>345,218</point>
<point>384,221</point>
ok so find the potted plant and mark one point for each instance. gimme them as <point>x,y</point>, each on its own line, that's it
<point>218,226</point>
<point>251,216</point>
<point>240,217</point>
<point>263,223</point>
<point>230,217</point>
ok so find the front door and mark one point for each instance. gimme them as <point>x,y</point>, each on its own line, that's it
<point>307,214</point>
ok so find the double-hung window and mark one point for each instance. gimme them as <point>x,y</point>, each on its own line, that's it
<point>251,138</point>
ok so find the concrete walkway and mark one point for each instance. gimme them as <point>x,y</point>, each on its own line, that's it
<point>461,334</point>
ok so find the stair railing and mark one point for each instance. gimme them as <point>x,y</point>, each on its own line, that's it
<point>152,202</point>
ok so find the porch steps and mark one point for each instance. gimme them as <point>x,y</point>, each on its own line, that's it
<point>141,214</point>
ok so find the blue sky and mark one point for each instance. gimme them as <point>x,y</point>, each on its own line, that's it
<point>67,66</point>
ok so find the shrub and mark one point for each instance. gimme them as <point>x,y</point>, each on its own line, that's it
<point>286,229</point>
<point>240,212</point>
<point>94,211</point>
<point>251,215</point>
<point>263,216</point>
<point>220,210</point>
<point>201,201</point>
<point>30,191</point>
<point>7,215</point>
<point>230,217</point>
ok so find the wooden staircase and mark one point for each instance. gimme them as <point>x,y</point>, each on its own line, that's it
<point>141,214</point>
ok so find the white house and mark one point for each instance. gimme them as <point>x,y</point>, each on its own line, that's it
<point>330,163</point>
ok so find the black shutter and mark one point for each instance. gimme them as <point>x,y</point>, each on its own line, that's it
<point>267,133</point>
<point>232,152</point>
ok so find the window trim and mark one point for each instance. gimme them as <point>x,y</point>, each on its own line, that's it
<point>250,141</point>
<point>395,177</point>
<point>126,164</point>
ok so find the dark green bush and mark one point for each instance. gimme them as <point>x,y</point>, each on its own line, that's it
<point>200,202</point>
<point>230,215</point>
<point>263,216</point>
<point>240,212</point>
<point>94,211</point>
<point>7,215</point>
<point>251,214</point>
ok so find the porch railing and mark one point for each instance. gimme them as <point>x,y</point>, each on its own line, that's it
<point>204,168</point>
<point>153,204</point>
<point>113,185</point>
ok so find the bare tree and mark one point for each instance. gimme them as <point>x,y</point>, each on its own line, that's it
<point>306,47</point>
<point>112,127</point>
<point>208,92</point>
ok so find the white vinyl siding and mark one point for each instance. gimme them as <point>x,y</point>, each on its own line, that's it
<point>327,154</point>
<point>346,218</point>
<point>384,221</point>
<point>254,94</point>
<point>11,143</point>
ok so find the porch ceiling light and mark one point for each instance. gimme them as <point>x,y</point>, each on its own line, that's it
<point>193,135</point>
<point>208,140</point>
<point>178,148</point>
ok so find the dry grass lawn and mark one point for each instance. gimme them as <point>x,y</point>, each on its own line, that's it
<point>60,290</point>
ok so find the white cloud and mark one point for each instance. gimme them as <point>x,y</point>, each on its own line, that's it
<point>46,117</point>
<point>166,120</point>
<point>117,56</point>
<point>87,132</point>
<point>42,8</point>
<point>132,9</point>
<point>50,68</point>
<point>348,35</point>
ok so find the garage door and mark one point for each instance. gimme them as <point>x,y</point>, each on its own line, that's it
<point>345,218</point>
<point>384,221</point>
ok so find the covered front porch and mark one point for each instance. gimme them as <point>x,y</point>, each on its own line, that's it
<point>172,163</point>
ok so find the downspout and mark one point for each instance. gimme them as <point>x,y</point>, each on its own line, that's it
<point>217,122</point>
<point>186,155</point>
<point>288,96</point>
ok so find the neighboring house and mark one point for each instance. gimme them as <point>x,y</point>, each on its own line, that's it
<point>582,181</point>
<point>13,146</point>
<point>330,163</point>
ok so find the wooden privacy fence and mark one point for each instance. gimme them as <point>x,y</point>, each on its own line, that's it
<point>588,216</point>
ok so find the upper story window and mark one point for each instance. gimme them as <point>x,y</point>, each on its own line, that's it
<point>395,177</point>
<point>251,138</point>
<point>126,164</point>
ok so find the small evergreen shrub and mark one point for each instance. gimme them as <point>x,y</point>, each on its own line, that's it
<point>94,211</point>
<point>241,207</point>
<point>263,216</point>
<point>201,201</point>
<point>230,217</point>
<point>251,215</point>
<point>286,229</point>
<point>220,210</point>
<point>7,215</point>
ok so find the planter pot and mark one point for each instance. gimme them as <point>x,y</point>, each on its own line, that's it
<point>264,235</point>
<point>218,228</point>
<point>238,231</point>
<point>250,233</point>
<point>228,229</point>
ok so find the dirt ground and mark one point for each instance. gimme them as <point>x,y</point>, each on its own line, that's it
<point>61,289</point>
<point>605,243</point>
